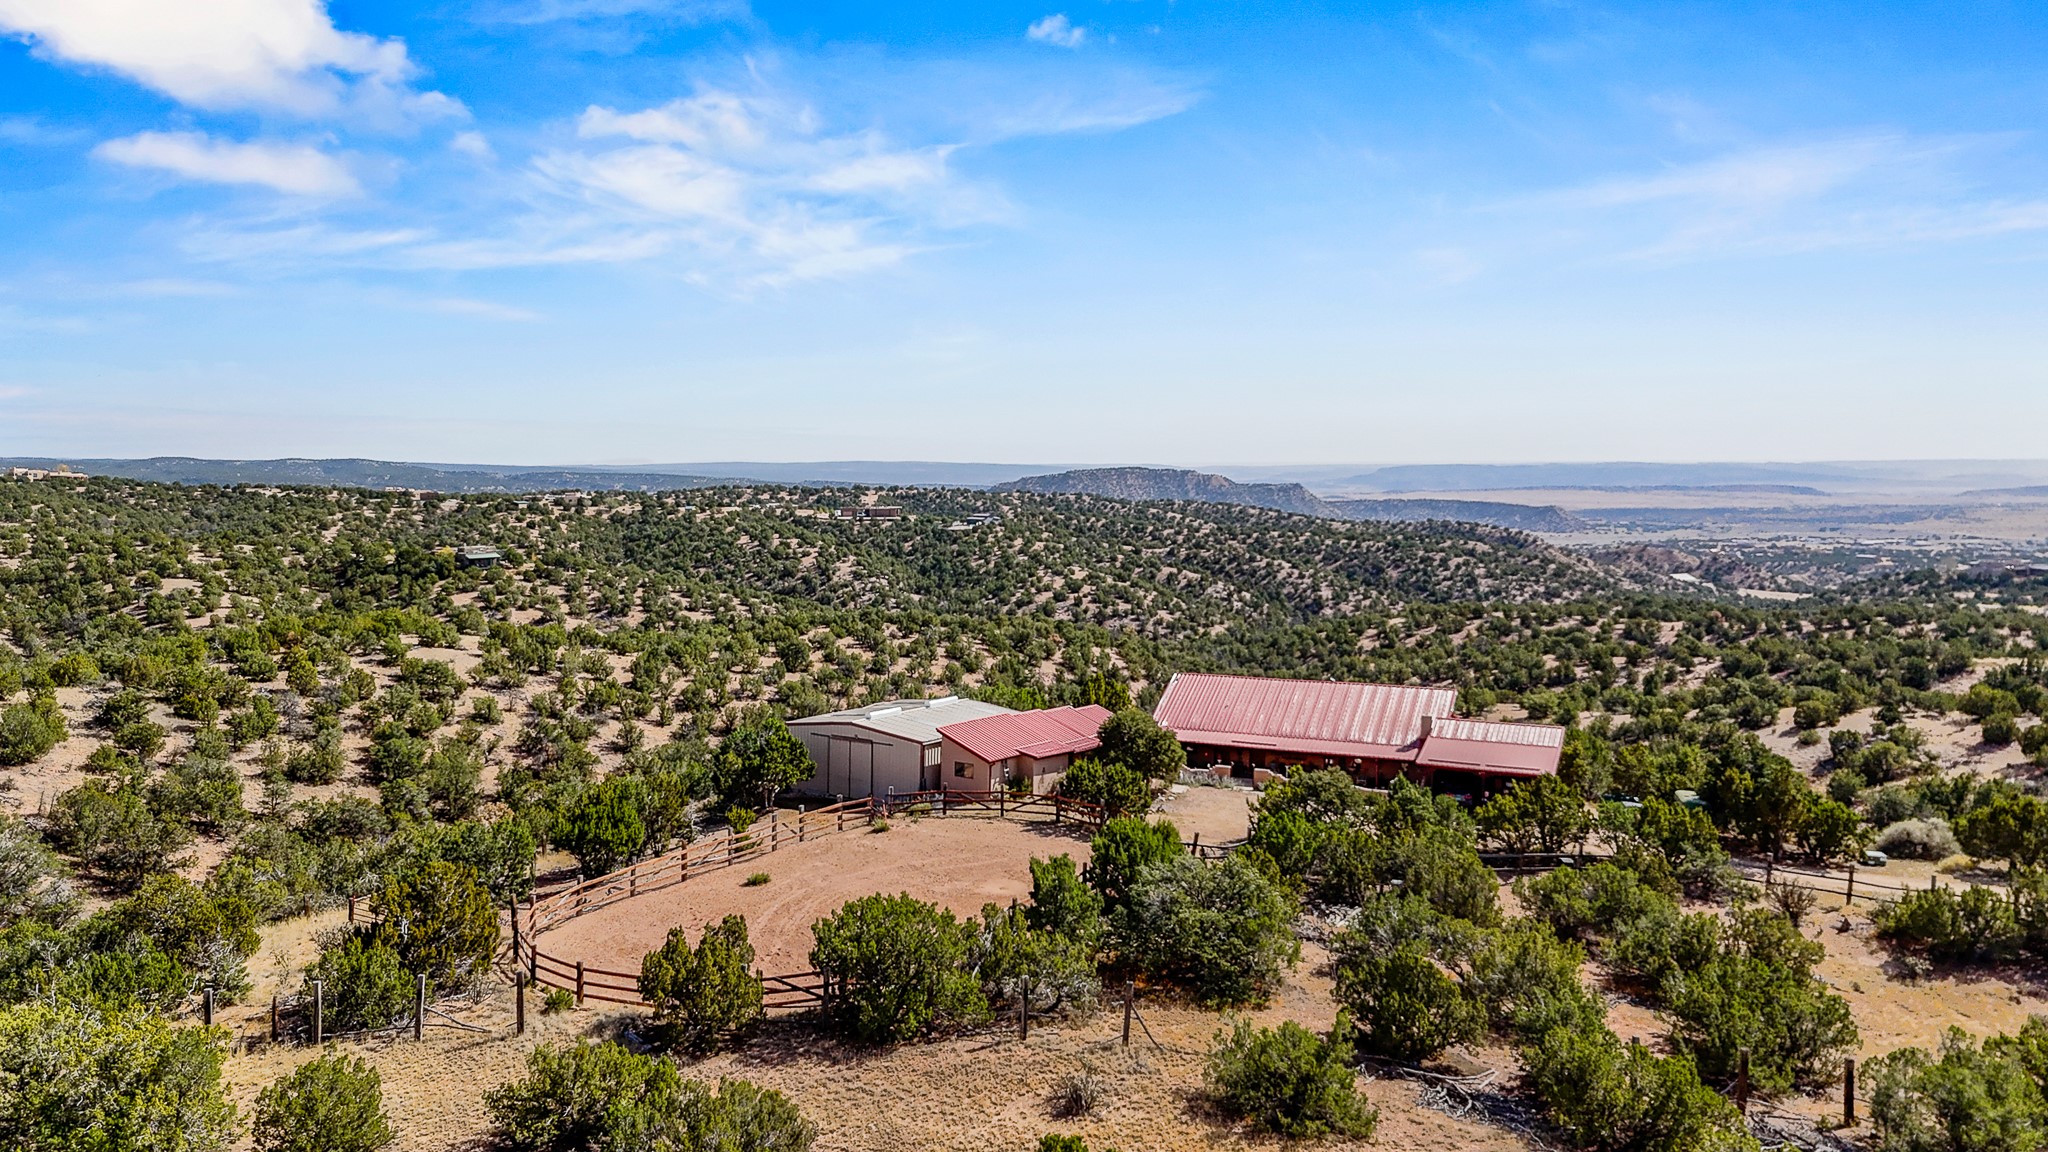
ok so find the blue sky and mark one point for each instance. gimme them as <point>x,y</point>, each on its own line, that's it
<point>632,231</point>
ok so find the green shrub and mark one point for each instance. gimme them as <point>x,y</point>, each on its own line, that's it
<point>1976,924</point>
<point>78,1079</point>
<point>320,761</point>
<point>1289,1081</point>
<point>33,882</point>
<point>1971,1099</point>
<point>114,834</point>
<point>762,755</point>
<point>1061,903</point>
<point>1124,847</point>
<point>897,969</point>
<point>2001,728</point>
<point>2010,826</point>
<point>601,1096</point>
<point>334,1103</point>
<point>364,985</point>
<point>602,827</point>
<point>27,731</point>
<point>1219,932</point>
<point>1019,964</point>
<point>704,994</point>
<point>1527,980</point>
<point>441,922</point>
<point>557,1001</point>
<point>1612,1097</point>
<point>201,791</point>
<point>1541,815</point>
<point>209,935</point>
<point>1116,789</point>
<point>1795,1029</point>
<point>1582,903</point>
<point>1132,738</point>
<point>1408,1009</point>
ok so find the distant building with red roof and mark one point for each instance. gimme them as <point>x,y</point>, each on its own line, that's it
<point>987,753</point>
<point>1373,731</point>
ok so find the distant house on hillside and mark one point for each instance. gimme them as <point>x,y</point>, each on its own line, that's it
<point>871,512</point>
<point>1032,747</point>
<point>478,556</point>
<point>1373,731</point>
<point>895,744</point>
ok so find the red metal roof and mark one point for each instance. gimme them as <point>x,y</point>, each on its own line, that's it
<point>1046,732</point>
<point>1483,746</point>
<point>1309,717</point>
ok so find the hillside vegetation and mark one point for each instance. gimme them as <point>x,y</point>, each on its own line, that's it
<point>225,709</point>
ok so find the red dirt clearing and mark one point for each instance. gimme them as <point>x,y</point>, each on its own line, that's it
<point>957,862</point>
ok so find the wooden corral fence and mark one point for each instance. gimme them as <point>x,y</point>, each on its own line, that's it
<point>785,992</point>
<point>1005,804</point>
<point>587,982</point>
<point>765,835</point>
<point>1851,885</point>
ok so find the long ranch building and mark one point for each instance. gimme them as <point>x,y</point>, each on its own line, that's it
<point>1373,731</point>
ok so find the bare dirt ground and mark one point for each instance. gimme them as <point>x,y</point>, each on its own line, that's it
<point>958,862</point>
<point>1218,815</point>
<point>986,1091</point>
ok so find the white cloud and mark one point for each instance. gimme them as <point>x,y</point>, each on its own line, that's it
<point>754,186</point>
<point>473,145</point>
<point>556,11</point>
<point>1058,31</point>
<point>484,309</point>
<point>296,169</point>
<point>1868,191</point>
<point>273,55</point>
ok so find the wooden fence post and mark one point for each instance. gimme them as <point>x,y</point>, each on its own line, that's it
<point>1742,1081</point>
<point>274,1030</point>
<point>319,1005</point>
<point>515,934</point>
<point>419,1006</point>
<point>799,823</point>
<point>1849,1092</point>
<point>1195,848</point>
<point>519,1011</point>
<point>1770,867</point>
<point>351,909</point>
<point>1130,993</point>
<point>579,983</point>
<point>206,1007</point>
<point>774,829</point>
<point>1849,896</point>
<point>1023,1017</point>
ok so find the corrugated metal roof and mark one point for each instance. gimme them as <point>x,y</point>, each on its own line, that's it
<point>914,720</point>
<point>1539,735</point>
<point>1039,734</point>
<point>1317,717</point>
<point>1484,746</point>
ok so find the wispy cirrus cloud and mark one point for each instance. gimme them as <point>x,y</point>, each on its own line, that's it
<point>293,169</point>
<point>1866,190</point>
<point>737,186</point>
<point>563,11</point>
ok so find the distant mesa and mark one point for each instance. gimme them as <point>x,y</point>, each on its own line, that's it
<point>1210,488</point>
<point>1175,484</point>
<point>1521,517</point>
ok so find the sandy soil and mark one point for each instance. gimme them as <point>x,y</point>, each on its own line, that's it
<point>958,862</point>
<point>1895,1013</point>
<point>1218,815</point>
<point>987,1091</point>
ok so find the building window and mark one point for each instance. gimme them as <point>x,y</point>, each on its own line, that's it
<point>960,768</point>
<point>931,756</point>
